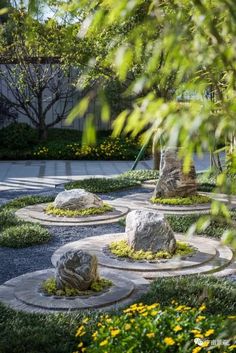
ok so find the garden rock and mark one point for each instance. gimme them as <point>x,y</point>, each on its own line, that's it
<point>148,230</point>
<point>76,269</point>
<point>77,199</point>
<point>173,182</point>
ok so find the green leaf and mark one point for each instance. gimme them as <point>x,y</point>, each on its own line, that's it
<point>79,110</point>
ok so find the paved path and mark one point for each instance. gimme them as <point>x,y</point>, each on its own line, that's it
<point>36,175</point>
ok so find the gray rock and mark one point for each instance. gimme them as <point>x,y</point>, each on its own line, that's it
<point>77,199</point>
<point>76,269</point>
<point>148,230</point>
<point>173,182</point>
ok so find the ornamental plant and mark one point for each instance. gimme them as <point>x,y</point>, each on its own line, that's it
<point>149,329</point>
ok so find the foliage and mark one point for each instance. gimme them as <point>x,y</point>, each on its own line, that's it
<point>181,223</point>
<point>49,287</point>
<point>122,249</point>
<point>191,200</point>
<point>17,233</point>
<point>67,144</point>
<point>150,328</point>
<point>24,201</point>
<point>217,294</point>
<point>22,332</point>
<point>141,175</point>
<point>17,136</point>
<point>50,209</point>
<point>102,185</point>
<point>24,235</point>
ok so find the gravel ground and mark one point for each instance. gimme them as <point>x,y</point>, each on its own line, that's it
<point>15,262</point>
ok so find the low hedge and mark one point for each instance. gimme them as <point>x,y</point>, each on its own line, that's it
<point>56,333</point>
<point>181,224</point>
<point>16,233</point>
<point>24,235</point>
<point>219,295</point>
<point>102,185</point>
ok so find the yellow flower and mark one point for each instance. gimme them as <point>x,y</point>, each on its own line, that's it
<point>195,331</point>
<point>150,335</point>
<point>169,341</point>
<point>83,349</point>
<point>209,332</point>
<point>114,333</point>
<point>200,318</point>
<point>177,328</point>
<point>154,312</point>
<point>99,324</point>
<point>202,307</point>
<point>232,347</point>
<point>85,320</point>
<point>94,335</point>
<point>127,326</point>
<point>205,344</point>
<point>108,320</point>
<point>80,331</point>
<point>196,349</point>
<point>104,343</point>
<point>232,317</point>
<point>80,344</point>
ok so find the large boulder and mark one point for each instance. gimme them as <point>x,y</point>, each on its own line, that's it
<point>77,199</point>
<point>76,269</point>
<point>173,182</point>
<point>148,230</point>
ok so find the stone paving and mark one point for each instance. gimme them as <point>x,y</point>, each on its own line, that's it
<point>40,174</point>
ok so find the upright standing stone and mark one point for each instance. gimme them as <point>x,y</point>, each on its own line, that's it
<point>173,182</point>
<point>76,269</point>
<point>148,230</point>
<point>77,199</point>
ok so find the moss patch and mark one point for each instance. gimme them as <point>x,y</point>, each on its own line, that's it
<point>182,201</point>
<point>49,287</point>
<point>122,249</point>
<point>50,209</point>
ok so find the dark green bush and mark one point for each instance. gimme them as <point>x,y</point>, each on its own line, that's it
<point>24,235</point>
<point>26,201</point>
<point>102,185</point>
<point>181,224</point>
<point>18,136</point>
<point>7,219</point>
<point>219,295</point>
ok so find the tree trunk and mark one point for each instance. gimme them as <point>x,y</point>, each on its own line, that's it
<point>156,156</point>
<point>173,182</point>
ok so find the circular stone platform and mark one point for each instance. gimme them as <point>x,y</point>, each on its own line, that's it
<point>179,209</point>
<point>210,257</point>
<point>36,214</point>
<point>23,293</point>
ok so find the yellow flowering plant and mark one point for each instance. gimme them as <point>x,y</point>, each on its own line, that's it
<point>149,328</point>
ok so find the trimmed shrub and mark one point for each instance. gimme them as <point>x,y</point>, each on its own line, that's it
<point>24,235</point>
<point>18,136</point>
<point>102,185</point>
<point>219,295</point>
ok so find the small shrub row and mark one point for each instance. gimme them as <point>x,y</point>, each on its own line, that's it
<point>182,201</point>
<point>122,249</point>
<point>102,185</point>
<point>17,233</point>
<point>50,209</point>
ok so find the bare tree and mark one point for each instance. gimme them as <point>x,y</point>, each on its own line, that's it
<point>36,89</point>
